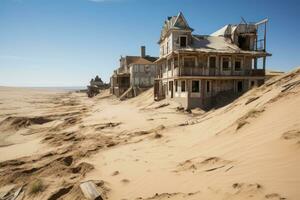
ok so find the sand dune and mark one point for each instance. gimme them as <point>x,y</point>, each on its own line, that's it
<point>140,149</point>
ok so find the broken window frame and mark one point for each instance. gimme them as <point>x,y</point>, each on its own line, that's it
<point>229,63</point>
<point>209,64</point>
<point>169,63</point>
<point>180,44</point>
<point>240,60</point>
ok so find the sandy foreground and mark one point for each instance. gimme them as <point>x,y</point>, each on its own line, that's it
<point>141,149</point>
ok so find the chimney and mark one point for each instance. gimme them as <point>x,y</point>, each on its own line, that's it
<point>143,51</point>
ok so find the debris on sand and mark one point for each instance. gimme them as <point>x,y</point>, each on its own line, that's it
<point>162,105</point>
<point>61,192</point>
<point>115,173</point>
<point>157,135</point>
<point>90,191</point>
<point>251,100</point>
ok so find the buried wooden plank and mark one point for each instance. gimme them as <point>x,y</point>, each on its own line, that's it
<point>90,191</point>
<point>17,193</point>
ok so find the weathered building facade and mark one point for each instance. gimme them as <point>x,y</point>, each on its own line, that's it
<point>196,69</point>
<point>135,74</point>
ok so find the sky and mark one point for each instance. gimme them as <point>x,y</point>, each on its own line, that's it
<point>54,43</point>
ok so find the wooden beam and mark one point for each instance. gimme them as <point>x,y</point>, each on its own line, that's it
<point>262,22</point>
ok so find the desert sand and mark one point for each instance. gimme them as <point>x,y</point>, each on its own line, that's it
<point>141,149</point>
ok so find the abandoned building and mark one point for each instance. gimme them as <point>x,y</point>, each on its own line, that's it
<point>135,74</point>
<point>199,70</point>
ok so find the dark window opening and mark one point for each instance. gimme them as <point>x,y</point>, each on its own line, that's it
<point>244,42</point>
<point>175,62</point>
<point>169,64</point>
<point>238,65</point>
<point>189,62</point>
<point>167,47</point>
<point>182,41</point>
<point>170,85</point>
<point>225,64</point>
<point>252,83</point>
<point>182,86</point>
<point>240,86</point>
<point>176,86</point>
<point>212,62</point>
<point>195,86</point>
<point>207,86</point>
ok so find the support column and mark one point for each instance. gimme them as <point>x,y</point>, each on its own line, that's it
<point>179,67</point>
<point>172,65</point>
<point>255,63</point>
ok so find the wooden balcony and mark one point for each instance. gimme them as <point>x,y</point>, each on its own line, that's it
<point>199,71</point>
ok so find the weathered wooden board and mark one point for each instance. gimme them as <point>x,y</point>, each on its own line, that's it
<point>90,191</point>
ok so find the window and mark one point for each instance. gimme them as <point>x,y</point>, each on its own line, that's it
<point>169,64</point>
<point>183,41</point>
<point>225,64</point>
<point>212,62</point>
<point>238,65</point>
<point>208,86</point>
<point>167,46</point>
<point>176,85</point>
<point>189,62</point>
<point>175,62</point>
<point>195,86</point>
<point>244,42</point>
<point>182,86</point>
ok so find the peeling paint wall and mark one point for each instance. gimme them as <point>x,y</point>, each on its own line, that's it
<point>142,75</point>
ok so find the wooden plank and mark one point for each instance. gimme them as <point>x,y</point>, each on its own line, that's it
<point>262,22</point>
<point>90,191</point>
<point>17,193</point>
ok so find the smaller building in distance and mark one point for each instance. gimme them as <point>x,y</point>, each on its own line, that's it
<point>134,75</point>
<point>205,70</point>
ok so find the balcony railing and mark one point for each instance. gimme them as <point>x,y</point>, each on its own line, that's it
<point>198,71</point>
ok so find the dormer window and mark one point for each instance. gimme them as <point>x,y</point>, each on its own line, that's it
<point>183,41</point>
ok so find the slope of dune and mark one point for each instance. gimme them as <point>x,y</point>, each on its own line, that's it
<point>239,151</point>
<point>141,149</point>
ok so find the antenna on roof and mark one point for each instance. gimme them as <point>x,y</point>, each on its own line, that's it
<point>244,20</point>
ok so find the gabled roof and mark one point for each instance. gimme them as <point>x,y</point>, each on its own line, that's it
<point>139,60</point>
<point>180,22</point>
<point>176,23</point>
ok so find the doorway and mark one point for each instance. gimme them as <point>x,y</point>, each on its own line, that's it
<point>171,88</point>
<point>240,86</point>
